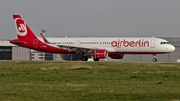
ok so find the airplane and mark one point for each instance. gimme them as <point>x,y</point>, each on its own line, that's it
<point>96,47</point>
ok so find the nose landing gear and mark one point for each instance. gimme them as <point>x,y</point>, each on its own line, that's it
<point>154,58</point>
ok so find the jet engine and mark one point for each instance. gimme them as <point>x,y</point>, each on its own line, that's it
<point>99,53</point>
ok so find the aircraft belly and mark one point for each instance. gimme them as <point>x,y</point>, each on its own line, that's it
<point>133,49</point>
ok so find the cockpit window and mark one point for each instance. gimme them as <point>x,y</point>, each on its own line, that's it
<point>164,42</point>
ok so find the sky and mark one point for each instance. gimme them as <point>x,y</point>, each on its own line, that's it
<point>93,18</point>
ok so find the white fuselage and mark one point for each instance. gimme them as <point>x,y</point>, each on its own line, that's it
<point>122,44</point>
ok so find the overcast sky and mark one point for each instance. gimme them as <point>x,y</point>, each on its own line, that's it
<point>159,18</point>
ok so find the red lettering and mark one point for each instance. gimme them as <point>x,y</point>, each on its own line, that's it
<point>126,43</point>
<point>146,44</point>
<point>114,43</point>
<point>119,43</point>
<point>131,43</point>
<point>139,42</point>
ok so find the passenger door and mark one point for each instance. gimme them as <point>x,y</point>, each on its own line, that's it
<point>153,43</point>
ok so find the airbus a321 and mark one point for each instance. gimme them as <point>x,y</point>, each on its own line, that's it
<point>96,47</point>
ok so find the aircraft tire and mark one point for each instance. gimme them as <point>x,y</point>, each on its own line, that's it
<point>96,59</point>
<point>84,58</point>
<point>154,60</point>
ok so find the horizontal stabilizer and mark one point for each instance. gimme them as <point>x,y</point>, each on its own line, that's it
<point>17,42</point>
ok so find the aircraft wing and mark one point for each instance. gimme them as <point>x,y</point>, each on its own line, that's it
<point>81,48</point>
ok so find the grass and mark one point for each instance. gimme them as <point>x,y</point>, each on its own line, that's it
<point>89,81</point>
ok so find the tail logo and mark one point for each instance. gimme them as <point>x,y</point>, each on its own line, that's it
<point>21,27</point>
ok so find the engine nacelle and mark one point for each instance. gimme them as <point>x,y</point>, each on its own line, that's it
<point>116,56</point>
<point>99,53</point>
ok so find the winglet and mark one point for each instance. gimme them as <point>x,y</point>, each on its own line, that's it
<point>45,40</point>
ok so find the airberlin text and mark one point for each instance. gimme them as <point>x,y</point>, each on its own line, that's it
<point>129,43</point>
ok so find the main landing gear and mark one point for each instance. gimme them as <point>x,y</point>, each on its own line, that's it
<point>96,59</point>
<point>154,58</point>
<point>84,58</point>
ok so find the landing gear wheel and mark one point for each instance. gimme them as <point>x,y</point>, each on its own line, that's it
<point>96,59</point>
<point>84,58</point>
<point>154,60</point>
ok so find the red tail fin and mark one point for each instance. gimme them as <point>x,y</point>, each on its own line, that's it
<point>23,31</point>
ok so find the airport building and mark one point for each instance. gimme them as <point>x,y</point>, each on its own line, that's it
<point>9,51</point>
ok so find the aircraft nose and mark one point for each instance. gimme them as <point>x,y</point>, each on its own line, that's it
<point>171,48</point>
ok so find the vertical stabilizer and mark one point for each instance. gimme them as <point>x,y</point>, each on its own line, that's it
<point>22,29</point>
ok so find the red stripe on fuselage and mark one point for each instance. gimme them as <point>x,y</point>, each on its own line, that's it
<point>137,52</point>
